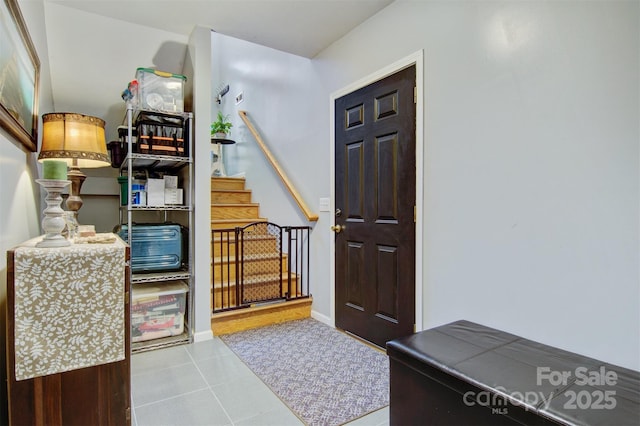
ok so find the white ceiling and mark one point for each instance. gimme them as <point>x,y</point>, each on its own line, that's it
<point>301,27</point>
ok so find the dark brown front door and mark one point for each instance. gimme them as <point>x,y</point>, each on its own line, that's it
<point>375,174</point>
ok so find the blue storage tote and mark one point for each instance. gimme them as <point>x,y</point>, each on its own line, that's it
<point>155,247</point>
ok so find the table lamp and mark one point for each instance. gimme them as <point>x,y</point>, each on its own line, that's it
<point>80,141</point>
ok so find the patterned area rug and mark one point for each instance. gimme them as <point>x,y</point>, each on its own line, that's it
<point>322,374</point>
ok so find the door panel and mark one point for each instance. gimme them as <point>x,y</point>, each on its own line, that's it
<point>375,192</point>
<point>387,179</point>
<point>355,181</point>
<point>387,294</point>
<point>355,272</point>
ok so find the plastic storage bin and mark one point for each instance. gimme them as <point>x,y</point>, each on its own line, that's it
<point>160,91</point>
<point>157,310</point>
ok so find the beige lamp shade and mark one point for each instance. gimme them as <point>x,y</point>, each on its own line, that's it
<point>79,139</point>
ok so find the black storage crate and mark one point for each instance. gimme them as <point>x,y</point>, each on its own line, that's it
<point>160,134</point>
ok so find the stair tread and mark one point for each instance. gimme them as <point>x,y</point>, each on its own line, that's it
<point>243,220</point>
<point>245,191</point>
<point>258,279</point>
<point>235,204</point>
<point>249,257</point>
<point>225,314</point>
<point>251,237</point>
<point>227,178</point>
<point>228,183</point>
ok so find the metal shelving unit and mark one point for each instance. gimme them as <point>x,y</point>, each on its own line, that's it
<point>137,162</point>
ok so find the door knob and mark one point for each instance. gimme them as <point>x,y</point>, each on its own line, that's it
<point>337,228</point>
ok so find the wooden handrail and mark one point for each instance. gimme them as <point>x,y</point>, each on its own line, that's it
<point>311,217</point>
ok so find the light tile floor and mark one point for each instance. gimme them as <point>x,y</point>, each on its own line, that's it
<point>205,383</point>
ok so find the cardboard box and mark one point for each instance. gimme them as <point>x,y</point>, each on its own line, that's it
<point>155,192</point>
<point>170,182</point>
<point>173,196</point>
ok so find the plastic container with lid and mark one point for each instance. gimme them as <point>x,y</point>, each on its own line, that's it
<point>157,310</point>
<point>160,91</point>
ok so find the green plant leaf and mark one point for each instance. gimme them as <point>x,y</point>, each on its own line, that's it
<point>221,125</point>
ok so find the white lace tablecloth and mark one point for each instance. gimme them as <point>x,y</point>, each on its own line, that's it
<point>69,307</point>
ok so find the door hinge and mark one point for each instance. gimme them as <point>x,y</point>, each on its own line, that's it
<point>414,328</point>
<point>415,214</point>
<point>415,94</point>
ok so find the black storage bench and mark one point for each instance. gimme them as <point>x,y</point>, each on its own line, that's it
<point>464,373</point>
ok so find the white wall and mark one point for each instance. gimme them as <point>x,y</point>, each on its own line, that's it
<point>284,102</point>
<point>531,163</point>
<point>112,50</point>
<point>281,98</point>
<point>96,57</point>
<point>19,221</point>
<point>531,151</point>
<point>198,66</point>
<point>20,205</point>
<point>531,158</point>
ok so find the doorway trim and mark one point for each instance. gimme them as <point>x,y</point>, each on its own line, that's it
<point>416,59</point>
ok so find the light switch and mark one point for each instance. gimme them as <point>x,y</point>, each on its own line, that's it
<point>325,204</point>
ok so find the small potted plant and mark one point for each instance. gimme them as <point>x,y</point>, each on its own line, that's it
<point>221,128</point>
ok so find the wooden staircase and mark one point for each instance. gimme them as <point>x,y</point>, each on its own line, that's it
<point>231,207</point>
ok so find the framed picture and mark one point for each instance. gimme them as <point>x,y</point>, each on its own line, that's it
<point>19,75</point>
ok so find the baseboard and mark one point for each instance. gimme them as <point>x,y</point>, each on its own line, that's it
<point>322,318</point>
<point>201,336</point>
